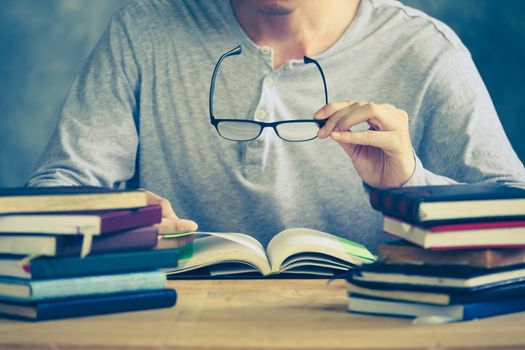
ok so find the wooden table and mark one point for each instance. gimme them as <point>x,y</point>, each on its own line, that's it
<point>259,314</point>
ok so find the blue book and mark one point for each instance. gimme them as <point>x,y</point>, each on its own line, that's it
<point>458,312</point>
<point>112,263</point>
<point>88,306</point>
<point>30,291</point>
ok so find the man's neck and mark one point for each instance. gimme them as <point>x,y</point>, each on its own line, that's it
<point>307,30</point>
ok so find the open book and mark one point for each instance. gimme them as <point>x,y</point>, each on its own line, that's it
<point>297,250</point>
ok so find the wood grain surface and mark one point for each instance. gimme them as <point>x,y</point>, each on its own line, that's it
<point>259,314</point>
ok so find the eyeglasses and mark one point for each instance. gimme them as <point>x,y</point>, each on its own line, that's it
<point>298,130</point>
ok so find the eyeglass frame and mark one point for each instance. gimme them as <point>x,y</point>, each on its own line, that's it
<point>215,121</point>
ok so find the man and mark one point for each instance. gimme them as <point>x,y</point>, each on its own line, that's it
<point>139,113</point>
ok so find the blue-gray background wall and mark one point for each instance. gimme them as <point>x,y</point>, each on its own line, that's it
<point>43,44</point>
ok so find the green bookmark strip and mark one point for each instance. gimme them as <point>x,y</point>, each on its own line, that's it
<point>185,252</point>
<point>355,249</point>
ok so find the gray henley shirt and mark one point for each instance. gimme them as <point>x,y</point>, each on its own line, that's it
<point>139,109</point>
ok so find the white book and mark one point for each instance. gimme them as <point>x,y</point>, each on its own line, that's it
<point>297,250</point>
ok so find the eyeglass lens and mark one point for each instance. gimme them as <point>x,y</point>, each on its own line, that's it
<point>238,131</point>
<point>297,131</point>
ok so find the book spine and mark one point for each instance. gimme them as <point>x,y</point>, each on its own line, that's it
<point>106,304</point>
<point>112,222</point>
<point>493,308</point>
<point>396,205</point>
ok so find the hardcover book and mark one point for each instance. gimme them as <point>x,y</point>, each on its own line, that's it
<point>83,223</point>
<point>436,297</point>
<point>427,205</point>
<point>59,199</point>
<point>27,290</point>
<point>67,245</point>
<point>435,277</point>
<point>464,235</point>
<point>99,264</point>
<point>450,313</point>
<point>89,306</point>
<point>294,251</point>
<point>401,252</point>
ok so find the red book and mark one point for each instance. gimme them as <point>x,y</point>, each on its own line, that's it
<point>141,238</point>
<point>469,235</point>
<point>81,223</point>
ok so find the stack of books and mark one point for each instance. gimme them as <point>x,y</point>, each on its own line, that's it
<point>76,251</point>
<point>461,255</point>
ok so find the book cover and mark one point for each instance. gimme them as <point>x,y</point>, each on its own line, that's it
<point>27,290</point>
<point>448,278</point>
<point>81,222</point>
<point>98,264</point>
<point>450,297</point>
<point>465,235</point>
<point>135,239</point>
<point>59,199</point>
<point>450,313</point>
<point>91,305</point>
<point>404,253</point>
<point>433,204</point>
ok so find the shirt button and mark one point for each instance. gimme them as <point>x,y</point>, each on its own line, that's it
<point>265,50</point>
<point>261,114</point>
<point>269,82</point>
<point>255,144</point>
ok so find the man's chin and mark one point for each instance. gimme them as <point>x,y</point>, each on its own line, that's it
<point>275,7</point>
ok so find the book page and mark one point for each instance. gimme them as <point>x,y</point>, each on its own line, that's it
<point>216,248</point>
<point>301,240</point>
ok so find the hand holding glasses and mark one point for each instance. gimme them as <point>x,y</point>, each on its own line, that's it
<point>297,130</point>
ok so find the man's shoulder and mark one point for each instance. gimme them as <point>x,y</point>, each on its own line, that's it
<point>415,27</point>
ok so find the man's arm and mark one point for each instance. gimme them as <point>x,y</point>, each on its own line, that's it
<point>463,139</point>
<point>96,140</point>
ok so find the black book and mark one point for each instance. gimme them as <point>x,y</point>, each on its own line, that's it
<point>437,297</point>
<point>425,277</point>
<point>428,205</point>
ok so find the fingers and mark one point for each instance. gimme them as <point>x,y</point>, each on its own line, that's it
<point>171,226</point>
<point>170,221</point>
<point>381,139</point>
<point>167,210</point>
<point>333,121</point>
<point>359,116</point>
<point>331,108</point>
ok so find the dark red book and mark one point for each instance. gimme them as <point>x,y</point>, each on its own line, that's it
<point>84,222</point>
<point>429,205</point>
<point>141,238</point>
<point>465,235</point>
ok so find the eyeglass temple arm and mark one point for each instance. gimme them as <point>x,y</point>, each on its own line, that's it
<point>235,51</point>
<point>311,60</point>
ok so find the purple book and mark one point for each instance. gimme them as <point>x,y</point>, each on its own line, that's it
<point>82,222</point>
<point>141,238</point>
